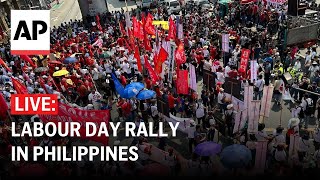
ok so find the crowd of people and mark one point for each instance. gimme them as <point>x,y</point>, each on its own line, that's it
<point>92,52</point>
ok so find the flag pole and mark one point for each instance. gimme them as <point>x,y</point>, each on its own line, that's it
<point>280,121</point>
<point>126,5</point>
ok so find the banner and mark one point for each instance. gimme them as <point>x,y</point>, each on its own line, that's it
<point>239,120</point>
<point>261,156</point>
<point>193,78</point>
<point>293,147</point>
<point>253,121</point>
<point>276,3</point>
<point>225,42</point>
<point>184,123</point>
<point>232,86</point>
<point>182,82</point>
<point>163,24</point>
<point>248,95</point>
<point>70,114</point>
<point>253,70</point>
<point>245,53</point>
<point>266,101</point>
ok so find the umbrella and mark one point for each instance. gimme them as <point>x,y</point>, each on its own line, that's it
<point>60,73</point>
<point>137,85</point>
<point>33,170</point>
<point>40,69</point>
<point>132,89</point>
<point>55,62</point>
<point>235,156</point>
<point>146,94</point>
<point>69,60</point>
<point>208,148</point>
<point>106,54</point>
<point>155,169</point>
<point>224,1</point>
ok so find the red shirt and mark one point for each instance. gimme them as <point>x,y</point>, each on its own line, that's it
<point>171,101</point>
<point>123,80</point>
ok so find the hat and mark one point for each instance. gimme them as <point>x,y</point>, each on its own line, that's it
<point>294,122</point>
<point>90,106</point>
<point>44,76</point>
<point>315,63</point>
<point>221,89</point>
<point>230,106</point>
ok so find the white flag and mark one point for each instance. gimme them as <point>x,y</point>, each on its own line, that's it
<point>253,70</point>
<point>261,155</point>
<point>193,78</point>
<point>253,121</point>
<point>266,101</point>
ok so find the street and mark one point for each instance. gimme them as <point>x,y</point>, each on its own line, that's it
<point>63,12</point>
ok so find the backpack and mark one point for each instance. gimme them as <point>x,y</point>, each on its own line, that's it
<point>309,108</point>
<point>301,113</point>
<point>229,118</point>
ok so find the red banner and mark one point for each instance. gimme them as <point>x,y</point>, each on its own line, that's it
<point>70,114</point>
<point>153,75</point>
<point>172,29</point>
<point>19,87</point>
<point>180,56</point>
<point>182,82</point>
<point>245,54</point>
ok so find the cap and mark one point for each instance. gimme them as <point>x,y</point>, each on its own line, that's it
<point>221,89</point>
<point>230,106</point>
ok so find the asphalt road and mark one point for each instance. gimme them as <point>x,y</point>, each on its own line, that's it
<point>64,12</point>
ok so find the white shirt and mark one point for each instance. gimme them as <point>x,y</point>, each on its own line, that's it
<point>227,69</point>
<point>154,111</point>
<point>297,65</point>
<point>279,139</point>
<point>259,84</point>
<point>295,112</point>
<point>126,68</point>
<point>199,110</point>
<point>220,97</point>
<point>94,97</point>
<point>220,77</point>
<point>317,135</point>
<point>190,131</point>
<point>280,155</point>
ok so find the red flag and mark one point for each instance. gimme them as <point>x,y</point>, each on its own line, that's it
<point>172,29</point>
<point>26,77</point>
<point>42,84</point>
<point>2,63</point>
<point>4,107</point>
<point>141,32</point>
<point>19,87</point>
<point>147,44</point>
<point>154,77</point>
<point>148,26</point>
<point>137,28</point>
<point>50,79</point>
<point>27,59</point>
<point>131,38</point>
<point>98,18</point>
<point>163,55</point>
<point>180,56</point>
<point>155,59</point>
<point>137,56</point>
<point>182,82</point>
<point>122,30</point>
<point>99,27</point>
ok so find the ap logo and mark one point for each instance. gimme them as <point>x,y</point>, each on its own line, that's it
<point>30,32</point>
